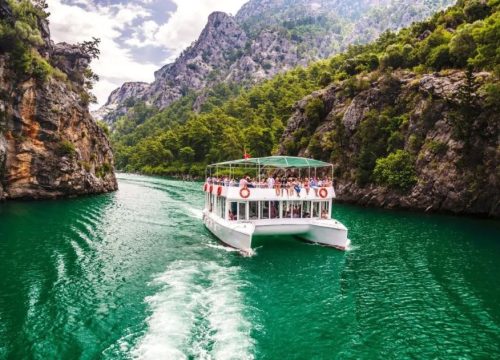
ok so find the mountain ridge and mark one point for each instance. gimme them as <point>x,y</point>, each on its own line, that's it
<point>245,51</point>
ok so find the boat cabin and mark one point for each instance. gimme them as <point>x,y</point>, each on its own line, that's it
<point>284,187</point>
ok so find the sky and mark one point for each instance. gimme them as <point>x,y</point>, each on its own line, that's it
<point>137,37</point>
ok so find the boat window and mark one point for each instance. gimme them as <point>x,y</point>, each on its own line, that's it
<point>233,210</point>
<point>264,210</point>
<point>253,210</point>
<point>274,209</point>
<point>242,211</point>
<point>315,213</point>
<point>306,211</point>
<point>325,214</point>
<point>296,209</point>
<point>288,209</point>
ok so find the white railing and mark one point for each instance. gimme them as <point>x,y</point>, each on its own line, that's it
<point>233,193</point>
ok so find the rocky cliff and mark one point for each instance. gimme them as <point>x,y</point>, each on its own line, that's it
<point>416,117</point>
<point>49,144</point>
<point>267,37</point>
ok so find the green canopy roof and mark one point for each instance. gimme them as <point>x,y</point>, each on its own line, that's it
<point>276,162</point>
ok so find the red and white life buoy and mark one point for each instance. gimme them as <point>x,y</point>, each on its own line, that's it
<point>244,193</point>
<point>323,193</point>
<point>205,187</point>
<point>219,191</point>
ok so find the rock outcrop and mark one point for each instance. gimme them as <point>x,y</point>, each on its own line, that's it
<point>451,175</point>
<point>267,37</point>
<point>49,144</point>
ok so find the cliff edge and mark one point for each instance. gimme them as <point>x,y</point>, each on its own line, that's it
<point>49,144</point>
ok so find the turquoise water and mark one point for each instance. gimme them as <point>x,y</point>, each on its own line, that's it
<point>134,274</point>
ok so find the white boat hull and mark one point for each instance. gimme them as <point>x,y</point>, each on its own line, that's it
<point>239,235</point>
<point>328,232</point>
<point>236,235</point>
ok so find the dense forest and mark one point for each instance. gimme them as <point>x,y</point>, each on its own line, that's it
<point>178,140</point>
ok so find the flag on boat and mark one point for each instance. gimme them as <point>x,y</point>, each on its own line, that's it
<point>246,155</point>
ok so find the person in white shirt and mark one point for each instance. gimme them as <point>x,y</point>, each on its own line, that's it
<point>243,183</point>
<point>270,182</point>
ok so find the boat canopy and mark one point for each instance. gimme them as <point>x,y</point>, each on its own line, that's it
<point>280,162</point>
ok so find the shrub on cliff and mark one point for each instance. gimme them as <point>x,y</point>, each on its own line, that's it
<point>66,148</point>
<point>397,170</point>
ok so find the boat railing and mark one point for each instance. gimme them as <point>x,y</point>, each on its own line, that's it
<point>264,186</point>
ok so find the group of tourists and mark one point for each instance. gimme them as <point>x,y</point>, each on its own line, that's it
<point>282,185</point>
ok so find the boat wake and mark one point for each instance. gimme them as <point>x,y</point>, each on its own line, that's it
<point>198,312</point>
<point>223,247</point>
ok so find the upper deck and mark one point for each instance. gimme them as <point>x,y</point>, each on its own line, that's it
<point>264,193</point>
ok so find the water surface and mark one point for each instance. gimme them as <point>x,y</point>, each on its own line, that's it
<point>134,274</point>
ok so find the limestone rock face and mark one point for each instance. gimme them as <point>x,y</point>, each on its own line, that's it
<point>49,144</point>
<point>117,103</point>
<point>264,38</point>
<point>450,178</point>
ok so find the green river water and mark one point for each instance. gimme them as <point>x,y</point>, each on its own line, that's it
<point>135,274</point>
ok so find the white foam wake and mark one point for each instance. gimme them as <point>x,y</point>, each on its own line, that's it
<point>197,313</point>
<point>194,213</point>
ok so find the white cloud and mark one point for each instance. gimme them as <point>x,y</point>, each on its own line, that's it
<point>116,64</point>
<point>184,25</point>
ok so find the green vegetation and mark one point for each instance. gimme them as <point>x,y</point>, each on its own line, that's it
<point>233,118</point>
<point>437,147</point>
<point>396,170</point>
<point>104,127</point>
<point>66,148</point>
<point>22,40</point>
<point>20,36</point>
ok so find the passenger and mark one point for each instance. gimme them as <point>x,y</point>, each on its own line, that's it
<point>277,186</point>
<point>289,189</point>
<point>270,182</point>
<point>306,185</point>
<point>250,183</point>
<point>297,187</point>
<point>324,214</point>
<point>314,186</point>
<point>283,186</point>
<point>244,182</point>
<point>273,212</point>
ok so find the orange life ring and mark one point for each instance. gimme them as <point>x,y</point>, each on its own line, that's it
<point>211,188</point>
<point>205,187</point>
<point>244,193</point>
<point>323,192</point>
<point>219,191</point>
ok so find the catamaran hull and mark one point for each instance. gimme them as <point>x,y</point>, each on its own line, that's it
<point>239,235</point>
<point>332,234</point>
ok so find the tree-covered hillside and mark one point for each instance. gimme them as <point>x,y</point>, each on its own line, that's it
<point>178,140</point>
<point>267,37</point>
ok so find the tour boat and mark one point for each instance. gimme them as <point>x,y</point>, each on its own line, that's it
<point>236,213</point>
